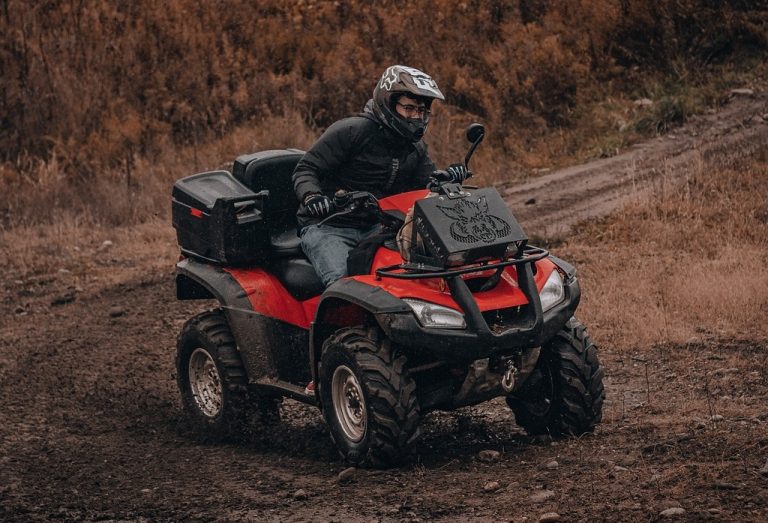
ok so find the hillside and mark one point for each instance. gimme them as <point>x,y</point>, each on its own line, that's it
<point>615,136</point>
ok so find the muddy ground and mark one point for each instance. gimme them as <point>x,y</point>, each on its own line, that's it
<point>91,426</point>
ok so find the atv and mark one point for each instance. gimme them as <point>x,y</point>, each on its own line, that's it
<point>461,311</point>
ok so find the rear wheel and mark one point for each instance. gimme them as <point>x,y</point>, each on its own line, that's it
<point>213,381</point>
<point>564,395</point>
<point>369,400</point>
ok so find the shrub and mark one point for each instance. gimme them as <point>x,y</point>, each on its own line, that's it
<point>94,83</point>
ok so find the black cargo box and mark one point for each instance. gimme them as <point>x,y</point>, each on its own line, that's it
<point>476,226</point>
<point>219,220</point>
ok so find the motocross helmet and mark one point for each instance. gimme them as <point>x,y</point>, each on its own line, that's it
<point>400,80</point>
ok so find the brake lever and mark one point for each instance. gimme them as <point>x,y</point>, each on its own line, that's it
<point>334,215</point>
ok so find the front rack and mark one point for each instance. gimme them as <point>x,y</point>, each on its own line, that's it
<point>421,271</point>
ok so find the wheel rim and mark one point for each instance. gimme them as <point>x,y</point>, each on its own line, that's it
<point>349,403</point>
<point>205,383</point>
<point>543,393</point>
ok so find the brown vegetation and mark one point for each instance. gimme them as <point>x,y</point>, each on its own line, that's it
<point>689,264</point>
<point>98,90</point>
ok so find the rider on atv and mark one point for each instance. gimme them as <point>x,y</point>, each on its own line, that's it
<point>380,151</point>
<point>463,312</point>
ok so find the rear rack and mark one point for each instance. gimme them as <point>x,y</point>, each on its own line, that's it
<point>418,271</point>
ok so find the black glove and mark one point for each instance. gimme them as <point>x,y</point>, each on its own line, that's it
<point>318,205</point>
<point>439,177</point>
<point>458,172</point>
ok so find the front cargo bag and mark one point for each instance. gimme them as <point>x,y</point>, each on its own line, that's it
<point>219,220</point>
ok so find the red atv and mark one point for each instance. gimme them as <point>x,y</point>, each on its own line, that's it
<point>469,313</point>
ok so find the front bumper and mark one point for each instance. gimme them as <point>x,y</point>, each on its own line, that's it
<point>532,328</point>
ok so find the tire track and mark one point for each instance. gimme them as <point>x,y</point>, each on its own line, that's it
<point>567,196</point>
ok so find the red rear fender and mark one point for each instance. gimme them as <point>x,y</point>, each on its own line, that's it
<point>268,297</point>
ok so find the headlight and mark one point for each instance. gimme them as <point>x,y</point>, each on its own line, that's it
<point>553,291</point>
<point>432,315</point>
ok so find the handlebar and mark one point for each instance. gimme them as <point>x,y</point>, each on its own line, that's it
<point>349,202</point>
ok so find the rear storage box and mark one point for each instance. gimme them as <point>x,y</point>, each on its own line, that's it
<point>219,220</point>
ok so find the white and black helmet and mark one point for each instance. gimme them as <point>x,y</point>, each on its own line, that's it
<point>400,80</point>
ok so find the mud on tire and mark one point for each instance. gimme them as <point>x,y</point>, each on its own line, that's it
<point>213,382</point>
<point>565,394</point>
<point>368,398</point>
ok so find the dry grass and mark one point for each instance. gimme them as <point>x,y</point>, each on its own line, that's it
<point>139,193</point>
<point>98,123</point>
<point>133,194</point>
<point>686,264</point>
<point>95,83</point>
<point>134,190</point>
<point>48,262</point>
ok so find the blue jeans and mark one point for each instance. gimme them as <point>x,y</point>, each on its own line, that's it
<point>327,247</point>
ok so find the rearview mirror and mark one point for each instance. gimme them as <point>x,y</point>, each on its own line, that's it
<point>475,131</point>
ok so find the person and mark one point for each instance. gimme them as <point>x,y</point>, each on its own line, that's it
<point>380,151</point>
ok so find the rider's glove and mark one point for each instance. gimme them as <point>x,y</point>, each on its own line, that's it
<point>318,205</point>
<point>439,177</point>
<point>458,172</point>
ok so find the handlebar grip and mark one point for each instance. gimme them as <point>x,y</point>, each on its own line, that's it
<point>341,198</point>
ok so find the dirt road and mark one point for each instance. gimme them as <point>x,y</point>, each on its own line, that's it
<point>564,197</point>
<point>91,427</point>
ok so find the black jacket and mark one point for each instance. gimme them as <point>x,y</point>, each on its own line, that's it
<point>360,154</point>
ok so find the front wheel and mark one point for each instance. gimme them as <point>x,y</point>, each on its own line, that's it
<point>564,395</point>
<point>368,398</point>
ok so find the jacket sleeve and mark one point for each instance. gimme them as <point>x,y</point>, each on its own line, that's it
<point>425,167</point>
<point>323,159</point>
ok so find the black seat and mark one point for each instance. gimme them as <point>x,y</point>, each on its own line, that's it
<point>298,276</point>
<point>272,170</point>
<point>286,243</point>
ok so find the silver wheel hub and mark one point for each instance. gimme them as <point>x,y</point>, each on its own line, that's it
<point>349,403</point>
<point>205,383</point>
